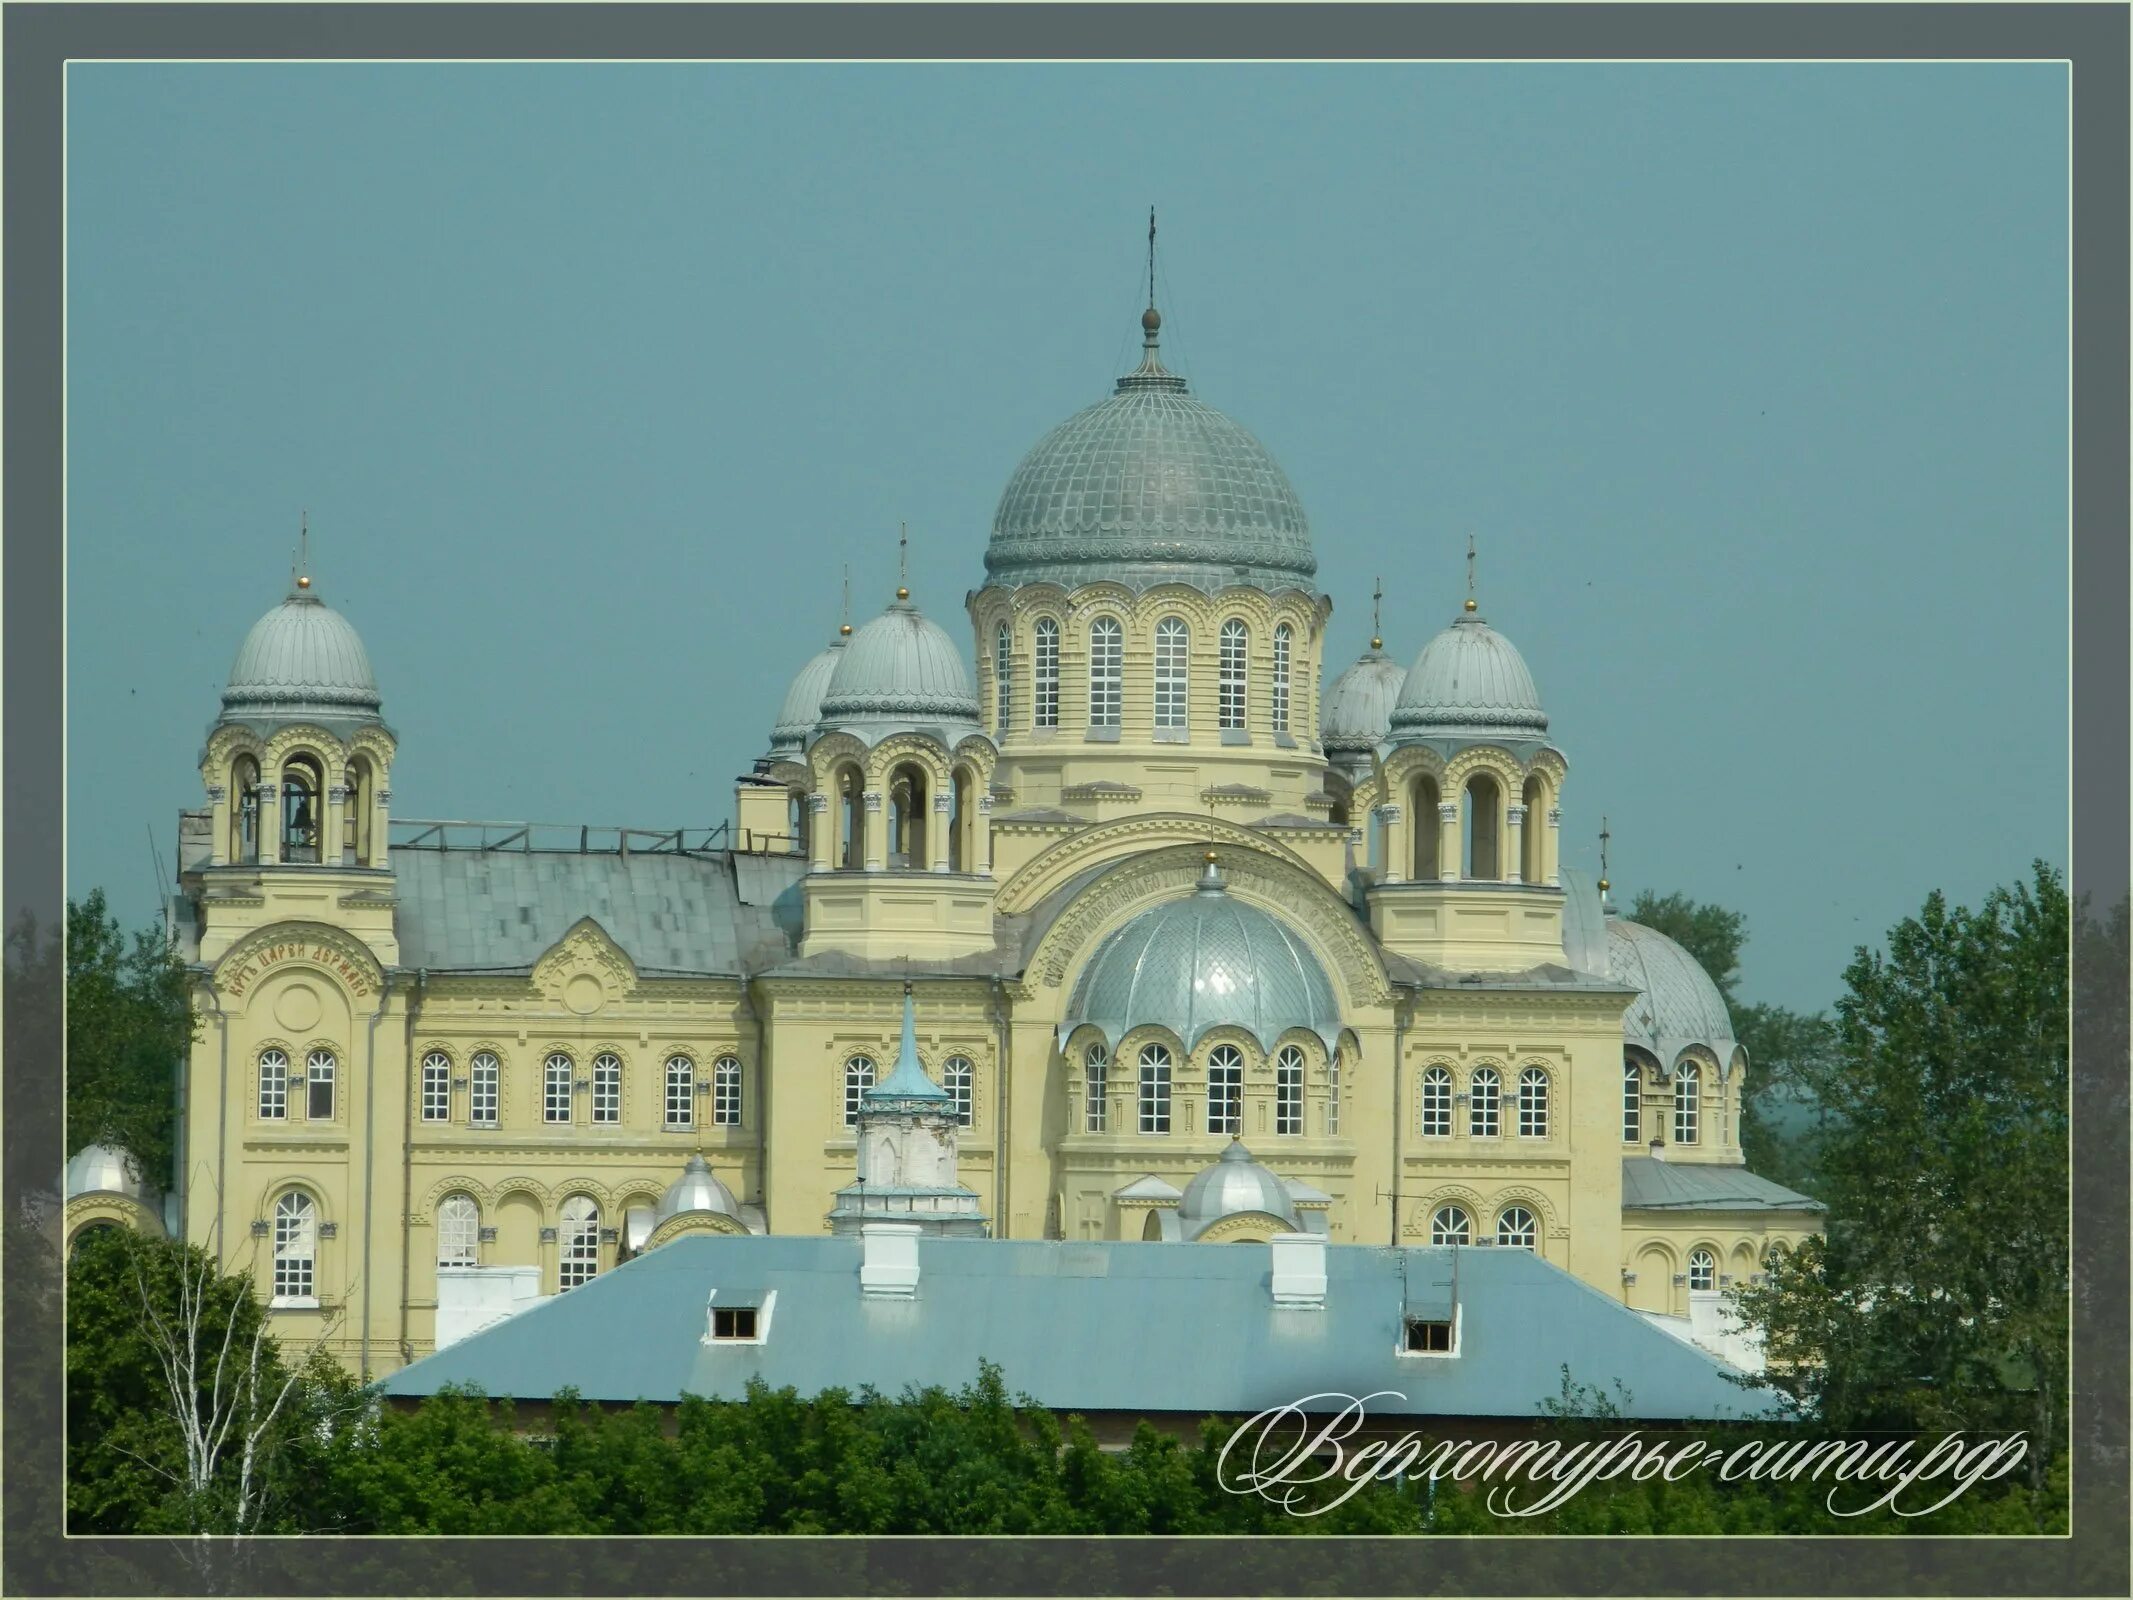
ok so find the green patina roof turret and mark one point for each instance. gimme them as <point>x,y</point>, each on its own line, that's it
<point>1150,486</point>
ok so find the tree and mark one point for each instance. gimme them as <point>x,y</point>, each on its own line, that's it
<point>1938,1299</point>
<point>129,1024</point>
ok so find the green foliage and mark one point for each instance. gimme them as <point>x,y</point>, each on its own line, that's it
<point>129,1024</point>
<point>1939,1298</point>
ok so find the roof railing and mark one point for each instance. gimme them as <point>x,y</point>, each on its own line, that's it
<point>561,838</point>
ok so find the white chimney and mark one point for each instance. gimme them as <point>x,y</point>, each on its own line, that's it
<point>1658,1149</point>
<point>888,1267</point>
<point>1299,1278</point>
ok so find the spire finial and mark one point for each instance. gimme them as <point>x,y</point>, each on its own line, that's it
<point>1151,258</point>
<point>1604,837</point>
<point>844,622</point>
<point>1377,596</point>
<point>903,561</point>
<point>302,574</point>
<point>1470,602</point>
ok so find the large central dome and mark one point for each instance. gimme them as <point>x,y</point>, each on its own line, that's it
<point>1150,486</point>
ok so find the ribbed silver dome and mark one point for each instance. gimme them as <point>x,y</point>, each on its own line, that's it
<point>803,701</point>
<point>1470,680</point>
<point>1201,963</point>
<point>1677,1004</point>
<point>697,1189</point>
<point>108,1169</point>
<point>1358,710</point>
<point>900,671</point>
<point>1150,486</point>
<point>1235,1183</point>
<point>301,658</point>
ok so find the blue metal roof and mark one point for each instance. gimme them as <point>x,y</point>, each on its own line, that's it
<point>1093,1326</point>
<point>1649,1185</point>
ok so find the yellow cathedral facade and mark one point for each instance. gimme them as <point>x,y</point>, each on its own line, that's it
<point>1153,929</point>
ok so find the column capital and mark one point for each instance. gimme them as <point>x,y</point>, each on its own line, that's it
<point>1448,811</point>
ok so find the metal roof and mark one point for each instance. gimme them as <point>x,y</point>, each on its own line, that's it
<point>502,910</point>
<point>1358,707</point>
<point>1196,1325</point>
<point>1653,1185</point>
<point>1470,681</point>
<point>1677,1004</point>
<point>302,658</point>
<point>802,707</point>
<point>901,671</point>
<point>1150,486</point>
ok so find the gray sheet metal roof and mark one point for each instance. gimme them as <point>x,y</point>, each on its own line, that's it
<point>1056,1315</point>
<point>501,910</point>
<point>1650,1185</point>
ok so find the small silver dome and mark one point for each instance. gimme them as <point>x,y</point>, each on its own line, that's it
<point>108,1169</point>
<point>1150,486</point>
<point>1235,1183</point>
<point>1358,711</point>
<point>1470,681</point>
<point>803,701</point>
<point>900,671</point>
<point>1201,963</point>
<point>1677,1005</point>
<point>302,658</point>
<point>697,1189</point>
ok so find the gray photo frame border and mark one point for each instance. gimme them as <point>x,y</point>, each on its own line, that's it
<point>40,38</point>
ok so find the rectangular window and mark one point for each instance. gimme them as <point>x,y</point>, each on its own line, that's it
<point>1230,700</point>
<point>733,1322</point>
<point>1281,679</point>
<point>436,1088</point>
<point>273,1086</point>
<point>1632,1107</point>
<point>726,1094</point>
<point>1483,1104</point>
<point>482,1091</point>
<point>1288,1099</point>
<point>1225,1092</point>
<point>1429,1337</point>
<point>556,1098</point>
<point>607,1089</point>
<point>1046,677</point>
<point>1155,1092</point>
<point>1003,677</point>
<point>1171,643</point>
<point>681,1092</point>
<point>1099,1070</point>
<point>1107,672</point>
<point>318,1071</point>
<point>1333,1095</point>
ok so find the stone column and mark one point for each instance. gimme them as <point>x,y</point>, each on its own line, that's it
<point>333,827</point>
<point>937,834</point>
<point>876,853</point>
<point>981,838</point>
<point>821,834</point>
<point>380,818</point>
<point>1550,862</point>
<point>1515,845</point>
<point>222,810</point>
<point>1397,848</point>
<point>1448,841</point>
<point>269,824</point>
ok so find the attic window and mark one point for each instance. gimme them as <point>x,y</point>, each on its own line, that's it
<point>1428,1338</point>
<point>733,1322</point>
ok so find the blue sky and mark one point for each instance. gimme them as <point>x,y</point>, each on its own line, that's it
<point>1749,381</point>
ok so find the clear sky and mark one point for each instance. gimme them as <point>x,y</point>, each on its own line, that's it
<point>1750,382</point>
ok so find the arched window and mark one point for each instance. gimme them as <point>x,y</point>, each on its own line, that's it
<point>908,791</point>
<point>1289,1090</point>
<point>578,1240</point>
<point>303,794</point>
<point>1423,825</point>
<point>436,1087</point>
<point>355,826</point>
<point>726,1093</point>
<point>858,1079</point>
<point>1155,1089</point>
<point>1450,1225</point>
<point>1535,799</point>
<point>681,1092</point>
<point>273,1085</point>
<point>607,1089</point>
<point>458,1231</point>
<point>556,1092</point>
<point>1516,1227</point>
<point>1107,672</point>
<point>1703,1270</point>
<point>851,820</point>
<point>1225,1090</point>
<point>1282,638</point>
<point>1484,806</point>
<point>1484,1091</point>
<point>1333,1094</point>
<point>1097,1074</point>
<point>295,1250</point>
<point>318,1086</point>
<point>1044,682</point>
<point>1688,1081</point>
<point>1236,643</point>
<point>1172,643</point>
<point>956,1078</point>
<point>244,810</point>
<point>1003,677</point>
<point>1533,1103</point>
<point>482,1090</point>
<point>1436,1103</point>
<point>1632,1104</point>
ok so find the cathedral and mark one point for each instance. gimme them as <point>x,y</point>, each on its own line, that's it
<point>1150,927</point>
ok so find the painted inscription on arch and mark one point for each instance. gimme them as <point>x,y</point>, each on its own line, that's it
<point>268,957</point>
